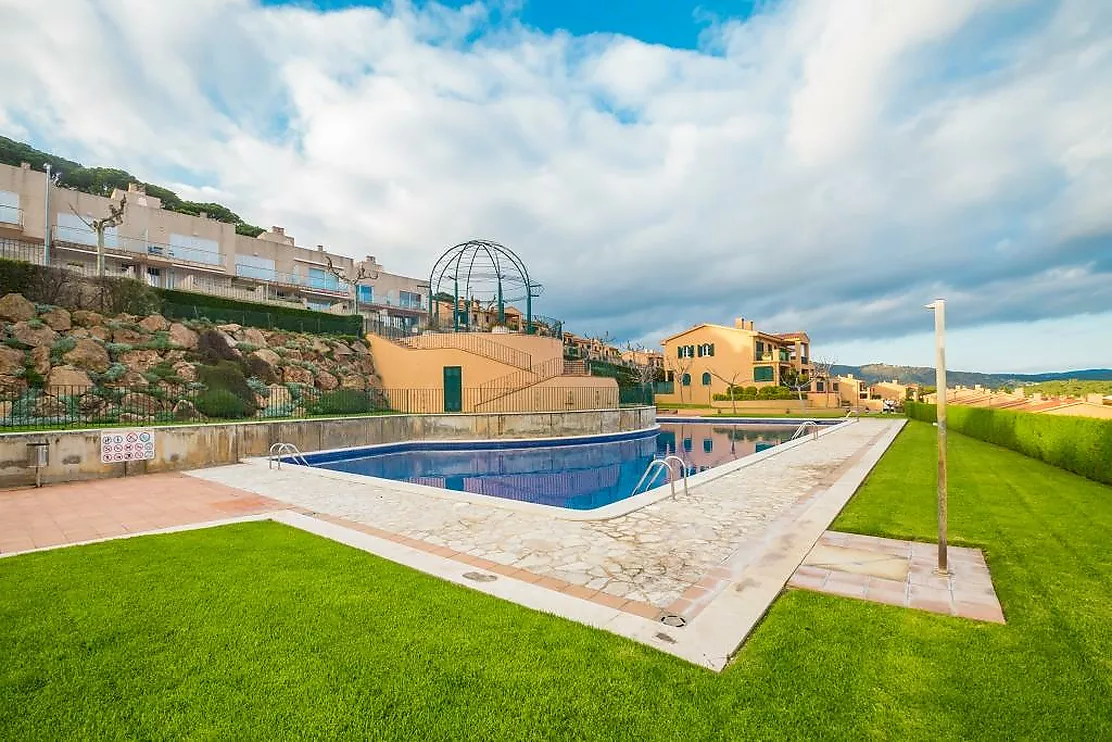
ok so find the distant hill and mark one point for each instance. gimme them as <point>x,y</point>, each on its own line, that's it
<point>924,375</point>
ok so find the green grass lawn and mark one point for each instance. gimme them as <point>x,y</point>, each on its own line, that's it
<point>261,631</point>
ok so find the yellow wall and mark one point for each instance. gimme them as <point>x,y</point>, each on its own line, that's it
<point>733,354</point>
<point>418,373</point>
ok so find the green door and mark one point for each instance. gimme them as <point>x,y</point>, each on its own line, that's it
<point>453,389</point>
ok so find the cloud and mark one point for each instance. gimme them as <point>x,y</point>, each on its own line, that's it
<point>821,165</point>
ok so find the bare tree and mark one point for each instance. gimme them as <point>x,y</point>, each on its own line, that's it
<point>644,372</point>
<point>679,368</point>
<point>797,381</point>
<point>114,219</point>
<point>824,368</point>
<point>353,281</point>
<point>731,384</point>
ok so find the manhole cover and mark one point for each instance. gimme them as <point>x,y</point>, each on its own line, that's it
<point>673,620</point>
<point>479,577</point>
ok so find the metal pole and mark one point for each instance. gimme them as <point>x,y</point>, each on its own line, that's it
<point>100,252</point>
<point>46,218</point>
<point>939,307</point>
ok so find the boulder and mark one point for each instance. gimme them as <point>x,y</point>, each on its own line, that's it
<point>141,403</point>
<point>318,346</point>
<point>185,370</point>
<point>40,360</point>
<point>268,355</point>
<point>100,332</point>
<point>141,360</point>
<point>57,318</point>
<point>297,375</point>
<point>131,377</point>
<point>15,308</point>
<point>229,339</point>
<point>88,354</point>
<point>132,417</point>
<point>128,335</point>
<point>91,403</point>
<point>154,323</point>
<point>28,334</point>
<point>326,381</point>
<point>182,336</point>
<point>173,356</point>
<point>85,318</point>
<point>354,381</point>
<point>68,376</point>
<point>340,350</point>
<point>11,361</point>
<point>186,410</point>
<point>367,365</point>
<point>255,337</point>
<point>78,332</point>
<point>50,406</point>
<point>359,349</point>
<point>12,384</point>
<point>292,355</point>
<point>230,329</point>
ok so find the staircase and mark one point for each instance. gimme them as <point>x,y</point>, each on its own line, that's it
<point>469,342</point>
<point>504,386</point>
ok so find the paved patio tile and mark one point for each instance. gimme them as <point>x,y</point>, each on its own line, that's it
<point>966,591</point>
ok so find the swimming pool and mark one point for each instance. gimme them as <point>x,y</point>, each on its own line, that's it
<point>576,473</point>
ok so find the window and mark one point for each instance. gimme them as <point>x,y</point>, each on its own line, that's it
<point>686,351</point>
<point>409,299</point>
<point>9,208</point>
<point>708,445</point>
<point>820,386</point>
<point>834,387</point>
<point>322,279</point>
<point>195,249</point>
<point>249,266</point>
<point>706,349</point>
<point>687,445</point>
<point>760,348</point>
<point>686,380</point>
<point>320,306</point>
<point>706,378</point>
<point>763,373</point>
<point>366,294</point>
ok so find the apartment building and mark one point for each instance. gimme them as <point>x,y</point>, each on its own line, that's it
<point>44,223</point>
<point>707,359</point>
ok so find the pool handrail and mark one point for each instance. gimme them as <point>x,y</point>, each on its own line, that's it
<point>802,430</point>
<point>658,465</point>
<point>278,450</point>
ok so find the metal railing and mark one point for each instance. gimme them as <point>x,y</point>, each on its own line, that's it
<point>278,450</point>
<point>803,427</point>
<point>655,467</point>
<point>470,342</point>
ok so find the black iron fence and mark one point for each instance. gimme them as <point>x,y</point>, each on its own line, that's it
<point>23,408</point>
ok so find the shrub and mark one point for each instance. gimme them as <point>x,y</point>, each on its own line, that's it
<point>227,376</point>
<point>115,371</point>
<point>220,403</point>
<point>342,402</point>
<point>258,387</point>
<point>127,296</point>
<point>1082,445</point>
<point>62,346</point>
<point>115,349</point>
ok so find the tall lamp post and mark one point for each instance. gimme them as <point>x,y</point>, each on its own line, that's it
<point>939,308</point>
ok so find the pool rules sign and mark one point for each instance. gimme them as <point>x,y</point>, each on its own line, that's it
<point>126,445</point>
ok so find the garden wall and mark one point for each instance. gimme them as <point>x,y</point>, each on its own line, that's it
<point>75,454</point>
<point>1080,445</point>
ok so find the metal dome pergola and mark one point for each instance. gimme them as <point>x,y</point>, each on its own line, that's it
<point>483,271</point>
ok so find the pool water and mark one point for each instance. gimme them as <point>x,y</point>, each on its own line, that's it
<point>563,473</point>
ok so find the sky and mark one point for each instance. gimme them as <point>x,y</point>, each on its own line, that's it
<point>827,166</point>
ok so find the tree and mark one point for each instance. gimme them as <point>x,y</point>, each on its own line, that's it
<point>645,374</point>
<point>797,381</point>
<point>731,385</point>
<point>114,219</point>
<point>679,368</point>
<point>823,370</point>
<point>353,281</point>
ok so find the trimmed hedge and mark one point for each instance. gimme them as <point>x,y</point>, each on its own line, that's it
<point>187,305</point>
<point>1082,445</point>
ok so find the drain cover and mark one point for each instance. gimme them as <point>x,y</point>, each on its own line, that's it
<point>479,577</point>
<point>671,619</point>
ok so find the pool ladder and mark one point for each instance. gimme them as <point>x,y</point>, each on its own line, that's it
<point>802,430</point>
<point>278,450</point>
<point>655,467</point>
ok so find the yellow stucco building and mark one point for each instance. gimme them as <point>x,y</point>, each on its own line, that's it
<point>707,359</point>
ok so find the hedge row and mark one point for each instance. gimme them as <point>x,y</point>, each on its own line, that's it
<point>1082,445</point>
<point>187,305</point>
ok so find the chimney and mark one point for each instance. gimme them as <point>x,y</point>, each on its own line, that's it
<point>136,188</point>
<point>278,230</point>
<point>320,248</point>
<point>739,323</point>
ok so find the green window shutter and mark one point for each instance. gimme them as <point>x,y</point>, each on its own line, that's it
<point>706,378</point>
